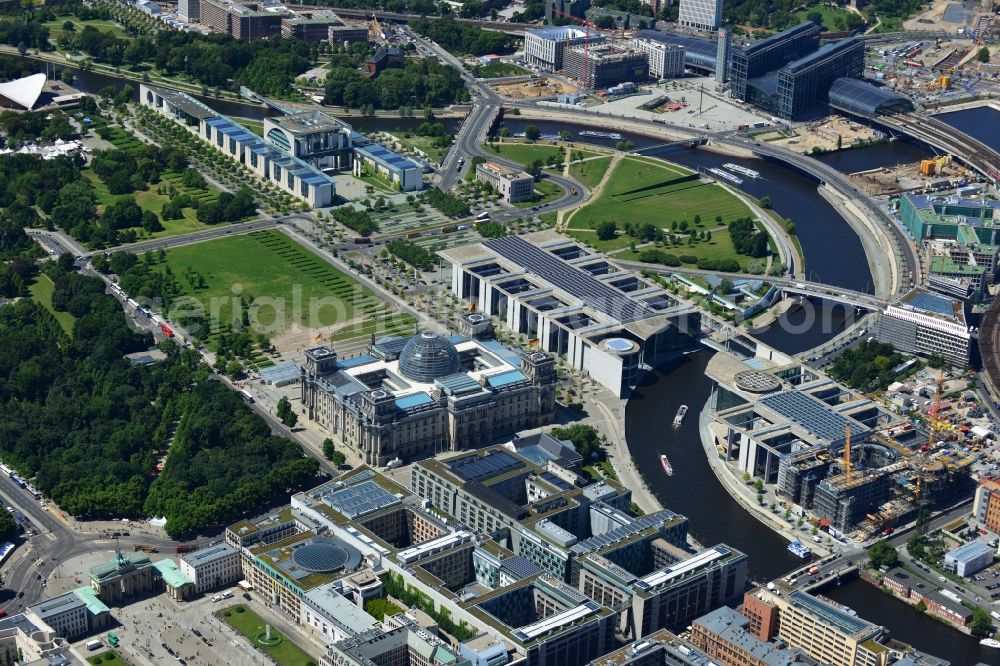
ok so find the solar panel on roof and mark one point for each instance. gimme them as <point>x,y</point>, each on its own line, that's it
<point>478,468</point>
<point>570,279</point>
<point>811,415</point>
<point>932,303</point>
<point>554,480</point>
<point>361,499</point>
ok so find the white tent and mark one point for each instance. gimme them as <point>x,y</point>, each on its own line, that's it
<point>24,92</point>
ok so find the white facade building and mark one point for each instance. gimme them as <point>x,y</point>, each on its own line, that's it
<point>922,322</point>
<point>333,616</point>
<point>513,185</point>
<point>700,14</point>
<point>607,322</point>
<point>212,567</point>
<point>268,162</point>
<point>666,61</point>
<point>545,47</point>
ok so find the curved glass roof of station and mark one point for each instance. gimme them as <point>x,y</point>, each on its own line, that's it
<point>427,357</point>
<point>864,99</point>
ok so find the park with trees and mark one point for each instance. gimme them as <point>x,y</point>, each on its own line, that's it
<point>219,457</point>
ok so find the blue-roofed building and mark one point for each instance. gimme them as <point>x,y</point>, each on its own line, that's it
<point>268,160</point>
<point>414,397</point>
<point>926,323</point>
<point>399,172</point>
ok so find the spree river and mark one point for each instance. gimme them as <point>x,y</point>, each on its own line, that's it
<point>833,255</point>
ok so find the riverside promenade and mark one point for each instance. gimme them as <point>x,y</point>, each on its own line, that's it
<point>746,495</point>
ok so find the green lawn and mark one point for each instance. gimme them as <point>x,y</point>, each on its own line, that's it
<point>590,173</point>
<point>41,292</point>
<point>720,247</point>
<point>424,144</point>
<point>524,153</point>
<point>248,623</point>
<point>108,658</point>
<point>255,126</point>
<point>148,199</point>
<point>642,191</point>
<point>545,192</point>
<point>830,15</point>
<point>292,285</point>
<point>56,27</point>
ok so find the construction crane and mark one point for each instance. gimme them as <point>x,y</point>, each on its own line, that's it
<point>847,453</point>
<point>936,425</point>
<point>375,30</point>
<point>587,25</point>
<point>934,414</point>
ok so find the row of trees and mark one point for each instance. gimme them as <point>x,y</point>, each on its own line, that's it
<point>446,202</point>
<point>25,127</point>
<point>868,366</point>
<point>360,221</point>
<point>413,254</point>
<point>747,239</point>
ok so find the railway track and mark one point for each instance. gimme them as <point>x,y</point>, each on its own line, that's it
<point>989,348</point>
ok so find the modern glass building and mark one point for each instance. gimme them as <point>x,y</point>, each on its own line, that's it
<point>800,85</point>
<point>699,53</point>
<point>771,54</point>
<point>700,14</point>
<point>865,99</point>
<point>805,82</point>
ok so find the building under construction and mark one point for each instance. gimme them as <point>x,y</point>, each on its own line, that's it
<point>604,65</point>
<point>785,423</point>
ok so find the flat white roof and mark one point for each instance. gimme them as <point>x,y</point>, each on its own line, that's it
<point>24,91</point>
<point>553,622</point>
<point>408,555</point>
<point>702,559</point>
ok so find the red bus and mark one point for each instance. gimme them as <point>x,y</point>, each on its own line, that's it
<point>166,330</point>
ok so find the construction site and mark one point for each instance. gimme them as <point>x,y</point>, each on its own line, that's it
<point>927,175</point>
<point>938,71</point>
<point>850,464</point>
<point>534,88</point>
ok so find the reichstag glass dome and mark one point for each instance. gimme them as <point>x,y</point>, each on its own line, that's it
<point>427,357</point>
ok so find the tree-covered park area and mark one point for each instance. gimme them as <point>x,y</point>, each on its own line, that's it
<point>868,366</point>
<point>90,428</point>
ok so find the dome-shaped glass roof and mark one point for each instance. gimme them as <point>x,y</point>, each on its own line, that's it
<point>427,357</point>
